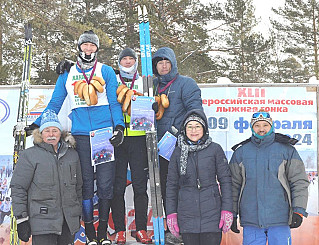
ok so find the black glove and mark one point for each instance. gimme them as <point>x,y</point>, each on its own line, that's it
<point>155,107</point>
<point>24,231</point>
<point>63,66</point>
<point>234,226</point>
<point>29,129</point>
<point>296,220</point>
<point>118,136</point>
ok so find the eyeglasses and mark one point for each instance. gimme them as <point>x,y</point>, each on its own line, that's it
<point>261,114</point>
<point>197,128</point>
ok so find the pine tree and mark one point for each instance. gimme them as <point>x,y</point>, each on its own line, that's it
<point>56,28</point>
<point>246,57</point>
<point>296,26</point>
<point>11,43</point>
<point>182,26</point>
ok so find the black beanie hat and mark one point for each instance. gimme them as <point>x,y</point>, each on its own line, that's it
<point>197,118</point>
<point>127,52</point>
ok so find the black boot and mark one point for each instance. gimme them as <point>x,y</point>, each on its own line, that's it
<point>102,233</point>
<point>90,234</point>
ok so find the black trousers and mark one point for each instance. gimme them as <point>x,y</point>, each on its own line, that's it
<point>132,151</point>
<point>163,176</point>
<point>66,238</point>
<point>206,238</point>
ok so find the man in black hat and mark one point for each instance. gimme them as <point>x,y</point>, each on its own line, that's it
<point>133,152</point>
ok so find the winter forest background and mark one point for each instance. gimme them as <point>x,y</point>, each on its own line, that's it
<point>211,39</point>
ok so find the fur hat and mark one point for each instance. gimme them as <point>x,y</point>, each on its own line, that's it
<point>261,115</point>
<point>127,52</point>
<point>89,37</point>
<point>49,119</point>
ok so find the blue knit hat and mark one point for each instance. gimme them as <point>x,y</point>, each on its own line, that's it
<point>50,119</point>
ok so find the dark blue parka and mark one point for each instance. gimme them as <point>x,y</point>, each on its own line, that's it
<point>198,210</point>
<point>269,182</point>
<point>183,94</point>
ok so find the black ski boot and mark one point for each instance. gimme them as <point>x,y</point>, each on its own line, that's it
<point>102,233</point>
<point>90,234</point>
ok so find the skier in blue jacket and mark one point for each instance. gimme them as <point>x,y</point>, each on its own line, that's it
<point>106,113</point>
<point>270,185</point>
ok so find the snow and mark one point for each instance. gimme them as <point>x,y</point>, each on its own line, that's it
<point>313,80</point>
<point>224,80</point>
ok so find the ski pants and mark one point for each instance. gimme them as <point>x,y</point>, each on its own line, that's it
<point>105,175</point>
<point>66,238</point>
<point>132,151</point>
<point>163,175</point>
<point>205,238</point>
<point>276,235</point>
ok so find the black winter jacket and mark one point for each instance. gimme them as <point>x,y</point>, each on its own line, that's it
<point>198,210</point>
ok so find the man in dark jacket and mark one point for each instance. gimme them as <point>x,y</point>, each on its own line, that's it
<point>183,94</point>
<point>270,185</point>
<point>46,187</point>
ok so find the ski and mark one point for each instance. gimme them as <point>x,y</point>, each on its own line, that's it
<point>151,136</point>
<point>19,133</point>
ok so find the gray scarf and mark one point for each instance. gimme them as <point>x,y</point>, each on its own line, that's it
<point>185,148</point>
<point>85,66</point>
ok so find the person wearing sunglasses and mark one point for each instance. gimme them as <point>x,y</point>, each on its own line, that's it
<point>197,207</point>
<point>270,185</point>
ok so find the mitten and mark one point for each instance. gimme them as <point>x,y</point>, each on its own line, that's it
<point>63,66</point>
<point>226,220</point>
<point>234,226</point>
<point>24,231</point>
<point>155,107</point>
<point>29,129</point>
<point>172,224</point>
<point>118,136</point>
<point>296,220</point>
